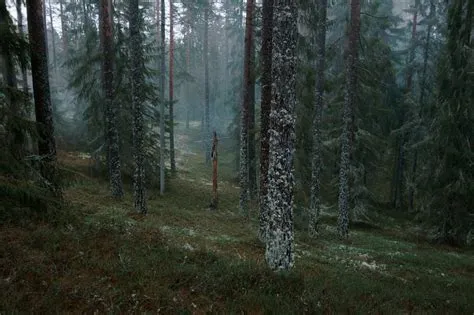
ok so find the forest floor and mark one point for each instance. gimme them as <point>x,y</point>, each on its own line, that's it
<point>182,258</point>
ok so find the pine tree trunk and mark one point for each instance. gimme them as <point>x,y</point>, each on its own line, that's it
<point>279,251</point>
<point>110,112</point>
<point>206,82</point>
<point>349,102</point>
<point>24,76</point>
<point>137,61</point>
<point>41,92</point>
<point>162,105</point>
<point>244,122</point>
<point>265,107</point>
<point>171,92</point>
<point>214,172</point>
<point>315,206</point>
<point>188,69</point>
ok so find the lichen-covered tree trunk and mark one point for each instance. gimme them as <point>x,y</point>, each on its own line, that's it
<point>23,62</point>
<point>171,92</point>
<point>137,66</point>
<point>244,118</point>
<point>279,246</point>
<point>110,112</point>
<point>41,92</point>
<point>349,102</point>
<point>207,130</point>
<point>162,104</point>
<point>315,205</point>
<point>265,107</point>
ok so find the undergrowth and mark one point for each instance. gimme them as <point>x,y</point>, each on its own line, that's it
<point>183,258</point>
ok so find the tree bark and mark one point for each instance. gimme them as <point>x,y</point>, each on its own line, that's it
<point>244,122</point>
<point>63,29</point>
<point>206,82</point>
<point>171,92</point>
<point>315,205</point>
<point>279,251</point>
<point>137,65</point>
<point>110,112</point>
<point>162,105</point>
<point>265,107</point>
<point>251,131</point>
<point>53,40</point>
<point>41,92</point>
<point>349,102</point>
<point>24,76</point>
<point>214,172</point>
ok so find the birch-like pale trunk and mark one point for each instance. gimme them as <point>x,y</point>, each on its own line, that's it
<point>315,205</point>
<point>265,107</point>
<point>349,102</point>
<point>111,111</point>
<point>279,252</point>
<point>137,65</point>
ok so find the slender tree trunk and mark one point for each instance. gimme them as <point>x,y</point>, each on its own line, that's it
<point>266,101</point>
<point>422,99</point>
<point>279,252</point>
<point>63,29</point>
<point>251,132</point>
<point>162,105</point>
<point>206,82</point>
<point>244,123</point>
<point>315,206</point>
<point>214,172</point>
<point>41,92</point>
<point>171,91</point>
<point>53,40</point>
<point>349,103</point>
<point>137,61</point>
<point>111,112</point>
<point>24,76</point>
<point>188,69</point>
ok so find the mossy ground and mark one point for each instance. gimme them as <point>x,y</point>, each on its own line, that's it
<point>184,258</point>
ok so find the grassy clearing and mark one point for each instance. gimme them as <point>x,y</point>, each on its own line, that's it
<point>183,258</point>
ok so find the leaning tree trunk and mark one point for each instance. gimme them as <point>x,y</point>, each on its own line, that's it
<point>315,206</point>
<point>279,246</point>
<point>171,91</point>
<point>41,92</point>
<point>110,112</point>
<point>265,107</point>
<point>244,119</point>
<point>349,101</point>
<point>138,79</point>
<point>162,105</point>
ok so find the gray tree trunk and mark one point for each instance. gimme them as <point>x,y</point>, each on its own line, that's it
<point>349,101</point>
<point>266,101</point>
<point>315,206</point>
<point>137,61</point>
<point>207,131</point>
<point>279,246</point>
<point>111,112</point>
